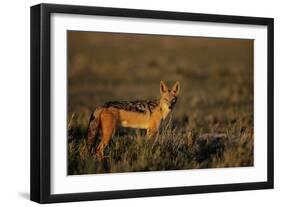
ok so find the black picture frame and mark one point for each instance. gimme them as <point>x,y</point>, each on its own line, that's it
<point>41,97</point>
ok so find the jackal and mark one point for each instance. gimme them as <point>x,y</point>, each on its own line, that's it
<point>146,114</point>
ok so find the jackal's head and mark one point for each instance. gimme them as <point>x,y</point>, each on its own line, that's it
<point>169,96</point>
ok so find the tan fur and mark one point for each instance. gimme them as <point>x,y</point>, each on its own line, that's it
<point>108,118</point>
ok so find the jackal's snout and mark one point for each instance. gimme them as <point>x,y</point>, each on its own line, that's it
<point>173,103</point>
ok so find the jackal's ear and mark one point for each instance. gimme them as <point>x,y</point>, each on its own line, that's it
<point>176,88</point>
<point>163,87</point>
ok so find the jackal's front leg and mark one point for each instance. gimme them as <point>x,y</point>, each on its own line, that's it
<point>151,132</point>
<point>153,128</point>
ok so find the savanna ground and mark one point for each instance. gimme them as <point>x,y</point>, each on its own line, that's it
<point>211,125</point>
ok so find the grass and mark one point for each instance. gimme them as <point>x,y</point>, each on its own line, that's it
<point>211,125</point>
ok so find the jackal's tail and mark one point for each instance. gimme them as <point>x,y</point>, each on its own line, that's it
<point>93,128</point>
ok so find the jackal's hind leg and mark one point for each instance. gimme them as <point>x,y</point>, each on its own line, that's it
<point>109,122</point>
